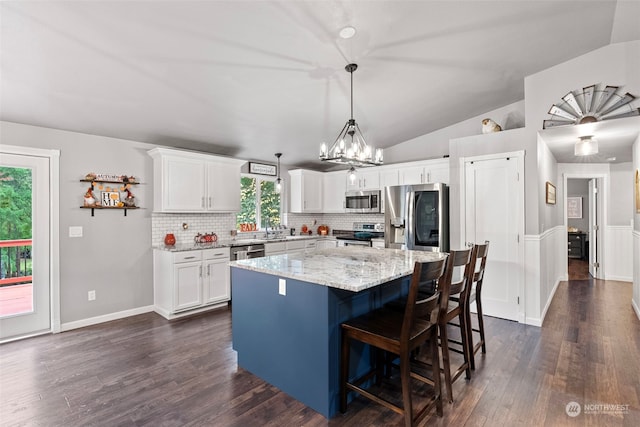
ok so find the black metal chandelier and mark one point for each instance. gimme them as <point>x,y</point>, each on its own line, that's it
<point>350,146</point>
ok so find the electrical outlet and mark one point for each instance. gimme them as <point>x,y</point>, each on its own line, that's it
<point>91,295</point>
<point>282,287</point>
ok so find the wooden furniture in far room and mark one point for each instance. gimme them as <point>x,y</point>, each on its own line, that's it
<point>399,333</point>
<point>577,245</point>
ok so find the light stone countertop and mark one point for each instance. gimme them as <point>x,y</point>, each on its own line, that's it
<point>352,268</point>
<point>237,242</point>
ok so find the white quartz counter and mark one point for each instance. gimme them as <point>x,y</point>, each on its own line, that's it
<point>352,268</point>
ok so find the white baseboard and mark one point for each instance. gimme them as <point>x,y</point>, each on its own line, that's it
<point>169,316</point>
<point>635,308</point>
<point>619,278</point>
<point>105,318</point>
<point>533,321</point>
<point>549,301</point>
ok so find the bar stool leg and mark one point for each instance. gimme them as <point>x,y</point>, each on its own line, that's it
<point>446,364</point>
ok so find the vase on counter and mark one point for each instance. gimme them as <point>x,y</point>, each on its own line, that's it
<point>169,239</point>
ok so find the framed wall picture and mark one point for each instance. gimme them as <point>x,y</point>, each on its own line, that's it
<point>550,198</point>
<point>574,207</point>
<point>110,198</point>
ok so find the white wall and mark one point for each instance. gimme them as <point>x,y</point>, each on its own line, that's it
<point>114,256</point>
<point>636,235</point>
<point>436,144</point>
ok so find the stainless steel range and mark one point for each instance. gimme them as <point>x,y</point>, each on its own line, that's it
<point>360,235</point>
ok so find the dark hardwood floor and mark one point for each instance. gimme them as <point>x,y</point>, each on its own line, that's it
<point>145,371</point>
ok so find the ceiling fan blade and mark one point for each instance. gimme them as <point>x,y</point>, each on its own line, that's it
<point>627,98</point>
<point>588,97</point>
<point>631,113</point>
<point>557,111</point>
<point>604,97</point>
<point>555,123</point>
<point>571,100</point>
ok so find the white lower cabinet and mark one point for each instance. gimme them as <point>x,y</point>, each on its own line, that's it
<point>326,243</point>
<point>190,281</point>
<point>275,248</point>
<point>296,247</point>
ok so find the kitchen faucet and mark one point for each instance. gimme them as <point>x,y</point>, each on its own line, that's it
<point>266,228</point>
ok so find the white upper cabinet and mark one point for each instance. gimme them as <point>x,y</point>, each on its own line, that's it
<point>427,172</point>
<point>366,179</point>
<point>389,177</point>
<point>306,191</point>
<point>193,182</point>
<point>333,194</point>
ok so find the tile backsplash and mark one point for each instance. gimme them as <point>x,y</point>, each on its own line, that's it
<point>223,223</point>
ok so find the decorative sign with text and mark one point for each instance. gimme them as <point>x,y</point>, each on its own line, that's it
<point>110,198</point>
<point>262,169</point>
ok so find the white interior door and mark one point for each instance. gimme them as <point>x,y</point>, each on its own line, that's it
<point>493,208</point>
<point>25,301</point>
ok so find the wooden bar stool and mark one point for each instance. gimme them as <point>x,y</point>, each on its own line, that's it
<point>452,306</point>
<point>478,263</point>
<point>399,333</point>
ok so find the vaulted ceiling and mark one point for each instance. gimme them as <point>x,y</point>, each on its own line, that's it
<point>251,78</point>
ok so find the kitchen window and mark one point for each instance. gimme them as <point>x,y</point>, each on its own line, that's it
<point>259,202</point>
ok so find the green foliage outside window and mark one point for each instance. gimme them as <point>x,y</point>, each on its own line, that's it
<point>15,218</point>
<point>260,193</point>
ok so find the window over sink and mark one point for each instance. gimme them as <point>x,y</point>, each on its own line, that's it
<point>259,202</point>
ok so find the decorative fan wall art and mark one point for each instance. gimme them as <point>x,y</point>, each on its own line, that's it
<point>591,105</point>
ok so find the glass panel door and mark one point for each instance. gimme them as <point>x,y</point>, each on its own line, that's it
<point>427,218</point>
<point>25,304</point>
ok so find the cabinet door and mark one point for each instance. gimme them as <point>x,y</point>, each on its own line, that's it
<point>183,185</point>
<point>312,191</point>
<point>223,186</point>
<point>365,180</point>
<point>388,178</point>
<point>412,175</point>
<point>333,194</point>
<point>187,290</point>
<point>438,173</point>
<point>217,284</point>
<point>369,180</point>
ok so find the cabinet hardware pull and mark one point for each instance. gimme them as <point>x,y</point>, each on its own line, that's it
<point>209,270</point>
<point>219,254</point>
<point>189,257</point>
<point>209,201</point>
<point>202,203</point>
<point>200,271</point>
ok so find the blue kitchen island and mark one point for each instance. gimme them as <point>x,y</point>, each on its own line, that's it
<point>287,311</point>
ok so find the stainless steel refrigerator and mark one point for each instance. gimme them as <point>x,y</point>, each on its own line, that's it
<point>416,217</point>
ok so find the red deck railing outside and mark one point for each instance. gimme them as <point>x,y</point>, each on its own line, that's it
<point>16,276</point>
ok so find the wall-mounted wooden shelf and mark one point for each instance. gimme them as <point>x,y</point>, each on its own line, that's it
<point>124,208</point>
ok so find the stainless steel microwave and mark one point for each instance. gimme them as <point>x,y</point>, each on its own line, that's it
<point>362,201</point>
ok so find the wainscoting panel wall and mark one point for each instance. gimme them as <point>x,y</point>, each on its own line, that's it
<point>618,253</point>
<point>545,267</point>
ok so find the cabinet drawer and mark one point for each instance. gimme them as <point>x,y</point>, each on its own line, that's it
<point>187,256</point>
<point>272,248</point>
<point>296,244</point>
<point>219,253</point>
